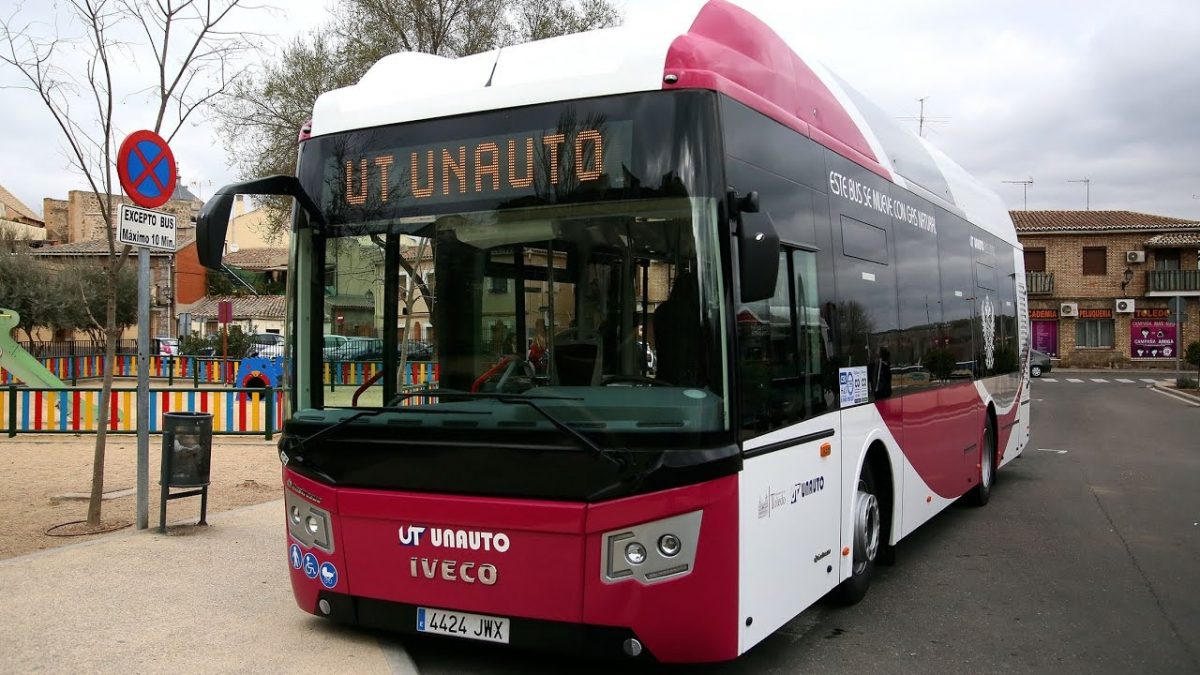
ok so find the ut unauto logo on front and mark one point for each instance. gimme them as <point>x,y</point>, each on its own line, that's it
<point>411,535</point>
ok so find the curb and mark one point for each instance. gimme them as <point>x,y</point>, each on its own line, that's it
<point>1189,399</point>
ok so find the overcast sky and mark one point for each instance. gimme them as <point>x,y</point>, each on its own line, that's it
<point>1052,91</point>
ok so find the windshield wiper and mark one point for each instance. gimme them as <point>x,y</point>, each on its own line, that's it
<point>525,400</point>
<point>458,393</point>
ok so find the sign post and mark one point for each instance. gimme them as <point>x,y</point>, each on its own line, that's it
<point>225,317</point>
<point>146,168</point>
<point>1178,336</point>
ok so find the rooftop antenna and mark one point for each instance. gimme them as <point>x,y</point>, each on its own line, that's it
<point>1024,188</point>
<point>1087,191</point>
<point>922,119</point>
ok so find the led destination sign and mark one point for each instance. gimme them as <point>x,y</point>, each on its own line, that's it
<point>500,166</point>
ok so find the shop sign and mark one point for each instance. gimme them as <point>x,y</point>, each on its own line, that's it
<point>1152,339</point>
<point>1095,313</point>
<point>1043,314</point>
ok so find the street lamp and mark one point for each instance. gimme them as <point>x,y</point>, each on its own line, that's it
<point>1126,277</point>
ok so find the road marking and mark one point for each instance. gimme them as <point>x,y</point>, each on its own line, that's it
<point>1178,397</point>
<point>1049,379</point>
<point>1146,379</point>
<point>1124,381</point>
<point>1072,379</point>
<point>1099,379</point>
<point>1061,452</point>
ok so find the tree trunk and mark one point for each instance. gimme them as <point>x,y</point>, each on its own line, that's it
<point>112,336</point>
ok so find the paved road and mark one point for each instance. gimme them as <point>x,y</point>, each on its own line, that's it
<point>1087,560</point>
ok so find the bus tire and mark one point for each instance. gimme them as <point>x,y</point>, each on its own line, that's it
<point>982,492</point>
<point>867,527</point>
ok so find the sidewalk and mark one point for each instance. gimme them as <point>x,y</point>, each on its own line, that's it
<point>209,600</point>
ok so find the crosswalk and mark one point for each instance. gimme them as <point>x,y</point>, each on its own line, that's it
<point>1104,380</point>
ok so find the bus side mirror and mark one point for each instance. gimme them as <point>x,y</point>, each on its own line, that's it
<point>211,227</point>
<point>758,249</point>
<point>213,222</point>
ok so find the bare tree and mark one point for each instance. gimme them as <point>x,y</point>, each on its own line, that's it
<point>193,56</point>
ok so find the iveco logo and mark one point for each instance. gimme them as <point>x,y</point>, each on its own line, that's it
<point>472,540</point>
<point>452,570</point>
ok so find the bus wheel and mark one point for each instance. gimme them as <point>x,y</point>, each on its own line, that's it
<point>868,532</point>
<point>987,468</point>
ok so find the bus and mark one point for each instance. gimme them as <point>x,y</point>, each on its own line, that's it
<point>701,335</point>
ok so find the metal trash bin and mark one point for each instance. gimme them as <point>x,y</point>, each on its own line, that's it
<point>187,448</point>
<point>186,459</point>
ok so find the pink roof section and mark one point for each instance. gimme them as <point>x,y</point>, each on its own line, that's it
<point>729,50</point>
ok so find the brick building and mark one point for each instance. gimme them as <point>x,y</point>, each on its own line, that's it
<point>1103,285</point>
<point>77,218</point>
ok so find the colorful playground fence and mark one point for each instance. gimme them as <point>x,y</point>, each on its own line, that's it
<point>77,411</point>
<point>215,370</point>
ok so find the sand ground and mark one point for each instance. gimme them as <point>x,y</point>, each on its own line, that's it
<point>38,469</point>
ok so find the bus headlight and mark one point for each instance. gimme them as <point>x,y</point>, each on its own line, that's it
<point>307,523</point>
<point>635,553</point>
<point>669,545</point>
<point>672,555</point>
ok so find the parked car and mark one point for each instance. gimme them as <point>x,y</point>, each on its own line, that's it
<point>333,347</point>
<point>417,350</point>
<point>166,346</point>
<point>266,345</point>
<point>361,349</point>
<point>1039,363</point>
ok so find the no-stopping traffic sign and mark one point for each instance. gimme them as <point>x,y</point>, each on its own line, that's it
<point>146,168</point>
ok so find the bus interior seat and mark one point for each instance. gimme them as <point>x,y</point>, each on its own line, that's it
<point>674,333</point>
<point>578,361</point>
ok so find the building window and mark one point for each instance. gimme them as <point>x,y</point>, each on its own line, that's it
<point>1035,260</point>
<point>1166,259</point>
<point>499,285</point>
<point>1095,260</point>
<point>1094,333</point>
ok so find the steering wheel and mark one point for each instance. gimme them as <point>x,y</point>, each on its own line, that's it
<point>505,366</point>
<point>635,379</point>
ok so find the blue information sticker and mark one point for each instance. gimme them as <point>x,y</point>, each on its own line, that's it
<point>295,556</point>
<point>328,575</point>
<point>310,566</point>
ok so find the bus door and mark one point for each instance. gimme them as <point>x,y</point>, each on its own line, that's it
<point>791,479</point>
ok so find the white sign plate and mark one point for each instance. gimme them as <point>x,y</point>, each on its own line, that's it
<point>852,383</point>
<point>142,227</point>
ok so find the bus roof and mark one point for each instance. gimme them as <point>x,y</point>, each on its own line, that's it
<point>721,47</point>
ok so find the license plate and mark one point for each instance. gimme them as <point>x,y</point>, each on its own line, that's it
<point>463,625</point>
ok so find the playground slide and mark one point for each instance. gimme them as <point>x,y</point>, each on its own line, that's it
<point>19,362</point>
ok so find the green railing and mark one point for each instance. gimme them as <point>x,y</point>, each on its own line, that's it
<point>1172,280</point>
<point>1039,283</point>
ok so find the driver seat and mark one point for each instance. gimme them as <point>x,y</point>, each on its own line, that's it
<point>577,361</point>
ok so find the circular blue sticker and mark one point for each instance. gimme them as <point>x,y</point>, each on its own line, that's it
<point>310,566</point>
<point>295,556</point>
<point>328,575</point>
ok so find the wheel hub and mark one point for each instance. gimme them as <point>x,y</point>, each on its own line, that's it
<point>866,529</point>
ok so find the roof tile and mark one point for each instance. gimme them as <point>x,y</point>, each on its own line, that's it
<point>1087,221</point>
<point>244,306</point>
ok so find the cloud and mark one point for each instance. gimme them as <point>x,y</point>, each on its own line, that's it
<point>1057,91</point>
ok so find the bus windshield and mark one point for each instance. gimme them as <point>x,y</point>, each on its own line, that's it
<point>572,280</point>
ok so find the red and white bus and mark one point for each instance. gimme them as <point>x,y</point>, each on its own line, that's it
<point>709,333</point>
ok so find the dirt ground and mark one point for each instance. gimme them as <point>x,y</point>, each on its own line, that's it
<point>38,469</point>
